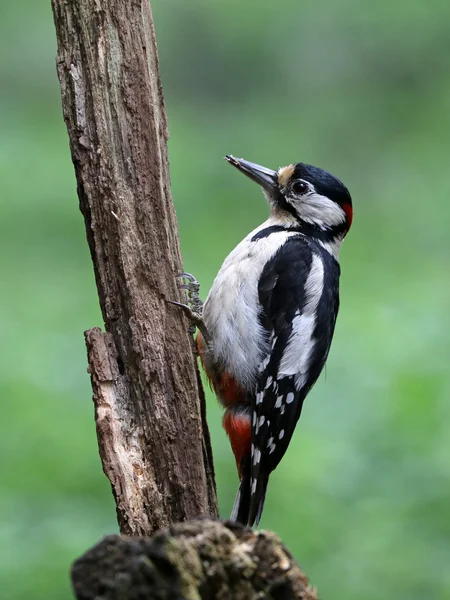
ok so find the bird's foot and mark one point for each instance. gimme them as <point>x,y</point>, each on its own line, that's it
<point>193,309</point>
<point>192,288</point>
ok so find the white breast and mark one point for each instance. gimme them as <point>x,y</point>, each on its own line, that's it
<point>231,310</point>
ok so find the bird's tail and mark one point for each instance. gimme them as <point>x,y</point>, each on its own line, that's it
<point>248,506</point>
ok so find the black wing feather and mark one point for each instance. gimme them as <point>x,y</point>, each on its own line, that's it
<point>282,296</point>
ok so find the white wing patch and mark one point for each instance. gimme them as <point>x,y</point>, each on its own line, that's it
<point>295,360</point>
<point>294,363</point>
<point>290,397</point>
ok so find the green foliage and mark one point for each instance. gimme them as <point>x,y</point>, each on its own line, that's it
<point>362,90</point>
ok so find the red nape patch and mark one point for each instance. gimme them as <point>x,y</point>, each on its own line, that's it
<point>349,213</point>
<point>239,431</point>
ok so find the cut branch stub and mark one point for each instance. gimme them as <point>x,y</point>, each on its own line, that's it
<point>192,561</point>
<point>153,438</point>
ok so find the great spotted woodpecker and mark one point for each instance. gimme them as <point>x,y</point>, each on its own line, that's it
<point>267,324</point>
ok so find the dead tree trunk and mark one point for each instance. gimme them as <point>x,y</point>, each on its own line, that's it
<point>149,404</point>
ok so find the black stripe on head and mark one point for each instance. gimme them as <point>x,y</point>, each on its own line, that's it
<point>307,229</point>
<point>273,229</point>
<point>280,201</point>
<point>324,235</point>
<point>324,183</point>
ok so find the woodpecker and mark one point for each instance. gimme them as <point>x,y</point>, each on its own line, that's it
<point>266,327</point>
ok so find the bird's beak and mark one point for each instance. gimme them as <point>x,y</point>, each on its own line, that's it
<point>266,178</point>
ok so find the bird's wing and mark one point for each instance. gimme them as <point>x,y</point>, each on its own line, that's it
<point>298,293</point>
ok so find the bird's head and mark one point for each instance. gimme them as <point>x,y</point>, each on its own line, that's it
<point>303,194</point>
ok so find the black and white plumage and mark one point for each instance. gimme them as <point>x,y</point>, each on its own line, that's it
<point>271,314</point>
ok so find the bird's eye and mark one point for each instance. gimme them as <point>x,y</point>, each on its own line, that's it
<point>299,187</point>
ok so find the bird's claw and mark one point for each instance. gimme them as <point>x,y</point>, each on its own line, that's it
<point>193,309</point>
<point>190,314</point>
<point>192,288</point>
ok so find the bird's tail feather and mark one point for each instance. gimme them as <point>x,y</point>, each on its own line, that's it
<point>257,499</point>
<point>248,507</point>
<point>242,502</point>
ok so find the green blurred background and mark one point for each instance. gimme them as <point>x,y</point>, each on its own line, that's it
<point>361,89</point>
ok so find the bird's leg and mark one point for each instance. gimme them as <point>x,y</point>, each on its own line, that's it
<point>193,288</point>
<point>194,307</point>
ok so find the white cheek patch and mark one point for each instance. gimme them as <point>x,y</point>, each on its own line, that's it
<point>318,209</point>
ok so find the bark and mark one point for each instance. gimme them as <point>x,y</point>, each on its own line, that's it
<point>149,404</point>
<point>191,561</point>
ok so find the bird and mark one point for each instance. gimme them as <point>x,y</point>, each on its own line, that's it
<point>267,324</point>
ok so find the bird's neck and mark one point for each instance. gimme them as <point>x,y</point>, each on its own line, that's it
<point>329,237</point>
